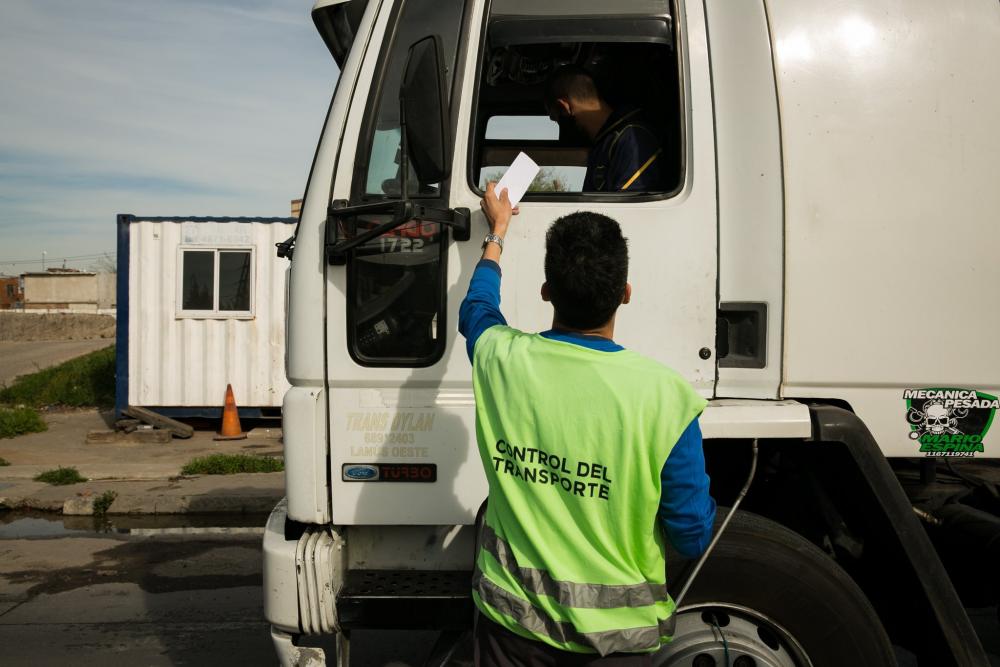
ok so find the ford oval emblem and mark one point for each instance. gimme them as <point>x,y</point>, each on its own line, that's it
<point>360,473</point>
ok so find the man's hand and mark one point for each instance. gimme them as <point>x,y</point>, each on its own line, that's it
<point>497,209</point>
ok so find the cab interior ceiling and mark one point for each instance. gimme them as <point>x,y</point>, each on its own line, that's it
<point>632,59</point>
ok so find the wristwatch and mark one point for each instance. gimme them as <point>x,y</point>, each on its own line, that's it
<point>493,238</point>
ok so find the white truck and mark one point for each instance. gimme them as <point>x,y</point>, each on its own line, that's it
<point>822,267</point>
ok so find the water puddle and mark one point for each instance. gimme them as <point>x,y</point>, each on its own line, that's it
<point>18,524</point>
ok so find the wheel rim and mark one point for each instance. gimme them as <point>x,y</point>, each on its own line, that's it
<point>750,637</point>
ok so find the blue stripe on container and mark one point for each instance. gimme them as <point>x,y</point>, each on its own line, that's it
<point>121,316</point>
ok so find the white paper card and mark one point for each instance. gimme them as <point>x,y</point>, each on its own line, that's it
<point>517,178</point>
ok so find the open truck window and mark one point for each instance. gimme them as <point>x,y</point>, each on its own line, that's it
<point>633,60</point>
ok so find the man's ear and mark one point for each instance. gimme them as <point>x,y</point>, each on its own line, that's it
<point>545,292</point>
<point>564,106</point>
<point>628,294</point>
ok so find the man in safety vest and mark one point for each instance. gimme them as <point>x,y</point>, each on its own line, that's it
<point>587,447</point>
<point>625,152</point>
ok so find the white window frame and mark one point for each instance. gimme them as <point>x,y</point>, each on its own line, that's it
<point>215,313</point>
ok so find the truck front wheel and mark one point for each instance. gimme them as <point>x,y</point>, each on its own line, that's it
<point>767,597</point>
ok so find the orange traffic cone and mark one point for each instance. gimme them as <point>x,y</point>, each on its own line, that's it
<point>231,429</point>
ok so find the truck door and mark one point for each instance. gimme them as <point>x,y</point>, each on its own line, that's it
<point>649,62</point>
<point>402,418</point>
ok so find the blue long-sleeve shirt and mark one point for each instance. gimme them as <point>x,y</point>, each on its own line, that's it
<point>687,511</point>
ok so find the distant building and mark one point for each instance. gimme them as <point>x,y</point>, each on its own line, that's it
<point>296,208</point>
<point>68,289</point>
<point>10,292</point>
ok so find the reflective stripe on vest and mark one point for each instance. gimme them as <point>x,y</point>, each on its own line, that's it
<point>569,593</point>
<point>540,623</point>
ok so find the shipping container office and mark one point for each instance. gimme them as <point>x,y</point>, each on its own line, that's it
<point>201,304</point>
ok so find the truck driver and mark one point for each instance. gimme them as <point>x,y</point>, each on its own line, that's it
<point>625,153</point>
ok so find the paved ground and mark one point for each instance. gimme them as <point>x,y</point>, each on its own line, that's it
<point>86,598</point>
<point>65,444</point>
<point>145,476</point>
<point>153,600</point>
<point>17,358</point>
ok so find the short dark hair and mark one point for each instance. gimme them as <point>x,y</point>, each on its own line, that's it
<point>570,81</point>
<point>586,267</point>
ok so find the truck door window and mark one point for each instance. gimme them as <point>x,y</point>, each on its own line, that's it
<point>506,136</point>
<point>396,282</point>
<point>630,50</point>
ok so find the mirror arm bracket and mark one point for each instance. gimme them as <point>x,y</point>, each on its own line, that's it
<point>336,251</point>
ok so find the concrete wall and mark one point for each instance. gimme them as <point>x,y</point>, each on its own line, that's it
<point>77,291</point>
<point>106,292</point>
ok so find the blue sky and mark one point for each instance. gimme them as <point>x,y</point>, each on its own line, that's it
<point>176,107</point>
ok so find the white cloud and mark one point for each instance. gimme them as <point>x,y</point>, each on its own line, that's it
<point>156,108</point>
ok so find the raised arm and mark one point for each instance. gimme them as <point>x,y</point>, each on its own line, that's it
<point>480,309</point>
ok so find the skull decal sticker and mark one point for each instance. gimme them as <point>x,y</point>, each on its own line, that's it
<point>949,421</point>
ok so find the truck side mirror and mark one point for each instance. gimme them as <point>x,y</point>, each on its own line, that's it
<point>423,111</point>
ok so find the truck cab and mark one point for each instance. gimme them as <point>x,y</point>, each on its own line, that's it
<point>776,269</point>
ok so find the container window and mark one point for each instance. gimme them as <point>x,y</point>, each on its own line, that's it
<point>234,280</point>
<point>216,282</point>
<point>199,280</point>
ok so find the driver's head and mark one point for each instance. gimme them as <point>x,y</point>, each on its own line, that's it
<point>569,90</point>
<point>586,269</point>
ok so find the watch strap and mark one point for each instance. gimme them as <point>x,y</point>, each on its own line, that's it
<point>493,238</point>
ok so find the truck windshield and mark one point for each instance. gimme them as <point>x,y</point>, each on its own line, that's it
<point>417,19</point>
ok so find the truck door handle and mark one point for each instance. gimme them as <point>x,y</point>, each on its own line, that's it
<point>741,334</point>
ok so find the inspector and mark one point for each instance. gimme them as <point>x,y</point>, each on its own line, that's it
<point>561,576</point>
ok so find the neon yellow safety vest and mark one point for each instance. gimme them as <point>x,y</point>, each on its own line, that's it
<point>573,441</point>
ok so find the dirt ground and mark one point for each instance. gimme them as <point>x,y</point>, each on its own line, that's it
<point>26,327</point>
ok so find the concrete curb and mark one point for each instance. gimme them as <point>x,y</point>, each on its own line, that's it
<point>251,493</point>
<point>96,473</point>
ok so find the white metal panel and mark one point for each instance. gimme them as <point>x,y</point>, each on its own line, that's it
<point>177,360</point>
<point>740,418</point>
<point>749,162</point>
<point>889,121</point>
<point>280,583</point>
<point>303,413</point>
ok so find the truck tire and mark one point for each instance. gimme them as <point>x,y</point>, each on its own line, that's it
<point>777,599</point>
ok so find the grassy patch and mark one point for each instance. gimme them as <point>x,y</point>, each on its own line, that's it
<point>87,381</point>
<point>18,421</point>
<point>4,462</point>
<point>231,464</point>
<point>103,502</point>
<point>61,476</point>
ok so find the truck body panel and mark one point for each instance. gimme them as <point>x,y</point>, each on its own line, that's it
<point>888,118</point>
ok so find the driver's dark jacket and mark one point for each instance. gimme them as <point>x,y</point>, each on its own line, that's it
<point>626,155</point>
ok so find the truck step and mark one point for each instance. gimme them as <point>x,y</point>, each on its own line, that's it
<point>367,584</point>
<point>406,599</point>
